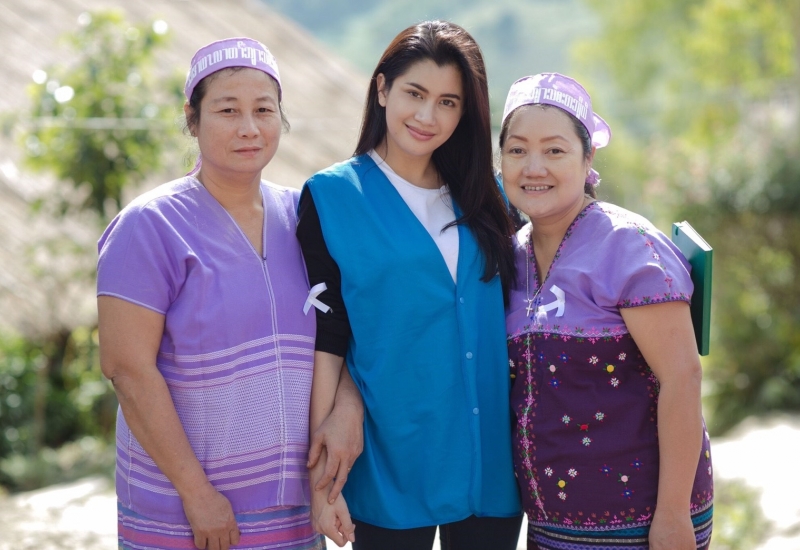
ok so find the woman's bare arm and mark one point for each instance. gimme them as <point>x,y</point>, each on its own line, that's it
<point>342,435</point>
<point>665,337</point>
<point>329,515</point>
<point>130,336</point>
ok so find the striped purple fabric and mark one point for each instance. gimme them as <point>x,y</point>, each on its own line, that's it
<point>237,351</point>
<point>283,527</point>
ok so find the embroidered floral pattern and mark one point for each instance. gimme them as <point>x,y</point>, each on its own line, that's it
<point>524,423</point>
<point>536,352</point>
<point>591,372</point>
<point>667,296</point>
<point>592,334</point>
<point>660,299</point>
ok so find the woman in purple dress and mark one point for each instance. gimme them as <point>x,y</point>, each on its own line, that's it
<point>610,447</point>
<point>201,294</point>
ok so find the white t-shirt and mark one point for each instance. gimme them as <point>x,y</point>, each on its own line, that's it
<point>432,207</point>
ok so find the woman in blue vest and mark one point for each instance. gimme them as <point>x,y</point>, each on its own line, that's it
<point>411,239</point>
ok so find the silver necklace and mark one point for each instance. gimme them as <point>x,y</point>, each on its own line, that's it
<point>531,302</point>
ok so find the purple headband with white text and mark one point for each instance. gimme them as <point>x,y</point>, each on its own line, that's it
<point>231,52</point>
<point>224,54</point>
<point>565,93</point>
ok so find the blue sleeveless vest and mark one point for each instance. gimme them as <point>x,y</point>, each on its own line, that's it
<point>428,355</point>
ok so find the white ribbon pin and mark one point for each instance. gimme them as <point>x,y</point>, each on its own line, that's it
<point>558,305</point>
<point>315,291</point>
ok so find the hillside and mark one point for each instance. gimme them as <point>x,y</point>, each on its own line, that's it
<point>517,38</point>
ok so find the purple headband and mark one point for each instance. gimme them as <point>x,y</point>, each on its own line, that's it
<point>563,92</point>
<point>231,52</point>
<point>223,54</point>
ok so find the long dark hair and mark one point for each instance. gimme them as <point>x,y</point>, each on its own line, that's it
<point>464,161</point>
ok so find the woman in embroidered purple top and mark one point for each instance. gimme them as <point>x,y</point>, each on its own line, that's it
<point>610,447</point>
<point>201,293</point>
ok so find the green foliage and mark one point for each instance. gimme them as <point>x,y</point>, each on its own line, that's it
<point>696,66</point>
<point>102,121</point>
<point>76,459</point>
<point>707,95</point>
<point>739,523</point>
<point>20,362</point>
<point>62,371</point>
<point>751,218</point>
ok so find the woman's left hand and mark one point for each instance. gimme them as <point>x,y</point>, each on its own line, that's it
<point>672,530</point>
<point>665,337</point>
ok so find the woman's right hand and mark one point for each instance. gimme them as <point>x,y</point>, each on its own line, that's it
<point>211,516</point>
<point>332,520</point>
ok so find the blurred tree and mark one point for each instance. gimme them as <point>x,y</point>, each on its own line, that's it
<point>101,121</point>
<point>739,523</point>
<point>709,95</point>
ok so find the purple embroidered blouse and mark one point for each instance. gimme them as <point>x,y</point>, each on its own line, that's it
<point>237,351</point>
<point>585,437</point>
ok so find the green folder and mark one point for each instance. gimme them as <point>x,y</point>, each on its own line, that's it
<point>700,255</point>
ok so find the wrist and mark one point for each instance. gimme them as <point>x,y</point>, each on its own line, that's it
<point>348,406</point>
<point>672,507</point>
<point>192,490</point>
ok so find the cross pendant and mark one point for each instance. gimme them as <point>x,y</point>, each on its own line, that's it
<point>529,307</point>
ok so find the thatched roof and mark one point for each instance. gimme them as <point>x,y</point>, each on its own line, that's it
<point>323,98</point>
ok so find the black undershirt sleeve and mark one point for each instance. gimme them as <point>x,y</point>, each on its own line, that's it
<point>333,327</point>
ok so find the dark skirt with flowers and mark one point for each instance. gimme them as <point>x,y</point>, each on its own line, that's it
<point>586,443</point>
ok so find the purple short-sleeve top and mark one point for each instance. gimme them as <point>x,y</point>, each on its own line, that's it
<point>585,400</point>
<point>237,349</point>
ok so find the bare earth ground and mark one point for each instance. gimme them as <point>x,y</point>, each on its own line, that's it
<point>82,515</point>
